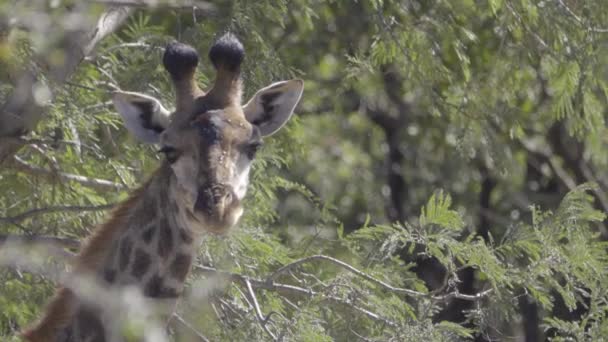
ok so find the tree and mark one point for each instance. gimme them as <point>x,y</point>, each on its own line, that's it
<point>443,178</point>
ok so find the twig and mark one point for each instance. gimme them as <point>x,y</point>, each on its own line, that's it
<point>99,184</point>
<point>580,20</point>
<point>269,282</point>
<point>349,268</point>
<point>24,140</point>
<point>183,4</point>
<point>474,297</point>
<point>258,312</point>
<point>286,288</point>
<point>562,174</point>
<point>589,175</point>
<point>131,45</point>
<point>190,327</point>
<point>53,209</point>
<point>72,84</point>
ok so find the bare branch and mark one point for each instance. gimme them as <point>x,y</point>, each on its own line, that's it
<point>135,45</point>
<point>291,289</point>
<point>349,268</point>
<point>190,327</point>
<point>368,277</point>
<point>258,312</point>
<point>458,295</point>
<point>183,4</point>
<point>41,141</point>
<point>546,154</point>
<point>96,183</point>
<point>54,209</point>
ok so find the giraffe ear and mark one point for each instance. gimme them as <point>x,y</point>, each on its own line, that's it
<point>144,116</point>
<point>271,107</point>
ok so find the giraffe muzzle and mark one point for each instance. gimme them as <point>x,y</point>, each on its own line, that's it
<point>215,200</point>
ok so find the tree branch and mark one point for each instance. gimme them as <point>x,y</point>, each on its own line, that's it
<point>292,289</point>
<point>182,4</point>
<point>190,327</point>
<point>258,312</point>
<point>368,277</point>
<point>22,112</point>
<point>54,209</point>
<point>580,20</point>
<point>96,183</point>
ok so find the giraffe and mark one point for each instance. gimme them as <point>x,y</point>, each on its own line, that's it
<point>150,240</point>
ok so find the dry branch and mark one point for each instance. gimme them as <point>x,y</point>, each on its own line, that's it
<point>258,312</point>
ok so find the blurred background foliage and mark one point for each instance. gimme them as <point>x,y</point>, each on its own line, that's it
<point>450,148</point>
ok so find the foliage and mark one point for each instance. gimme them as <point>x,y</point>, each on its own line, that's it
<point>447,164</point>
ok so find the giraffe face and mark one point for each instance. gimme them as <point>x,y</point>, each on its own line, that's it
<point>211,155</point>
<point>210,139</point>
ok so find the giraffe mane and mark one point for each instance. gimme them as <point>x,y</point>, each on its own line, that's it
<point>62,307</point>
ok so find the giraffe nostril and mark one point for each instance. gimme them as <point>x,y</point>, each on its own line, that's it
<point>228,196</point>
<point>209,197</point>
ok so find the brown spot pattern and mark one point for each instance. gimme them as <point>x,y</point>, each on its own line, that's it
<point>165,239</point>
<point>125,252</point>
<point>140,264</point>
<point>155,289</point>
<point>180,266</point>
<point>109,275</point>
<point>174,207</point>
<point>90,327</point>
<point>148,234</point>
<point>185,236</point>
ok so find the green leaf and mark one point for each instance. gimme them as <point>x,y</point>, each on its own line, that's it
<point>437,212</point>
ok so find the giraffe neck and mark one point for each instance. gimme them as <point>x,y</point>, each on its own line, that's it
<point>152,251</point>
<point>157,246</point>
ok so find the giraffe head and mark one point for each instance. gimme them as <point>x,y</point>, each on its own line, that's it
<point>210,139</point>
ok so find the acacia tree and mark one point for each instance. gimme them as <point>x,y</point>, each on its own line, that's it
<point>443,178</point>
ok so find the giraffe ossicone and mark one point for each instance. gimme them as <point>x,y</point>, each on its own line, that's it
<point>150,240</point>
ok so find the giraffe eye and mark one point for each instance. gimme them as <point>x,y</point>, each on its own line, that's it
<point>171,153</point>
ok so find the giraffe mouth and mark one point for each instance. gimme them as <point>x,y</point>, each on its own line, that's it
<point>217,208</point>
